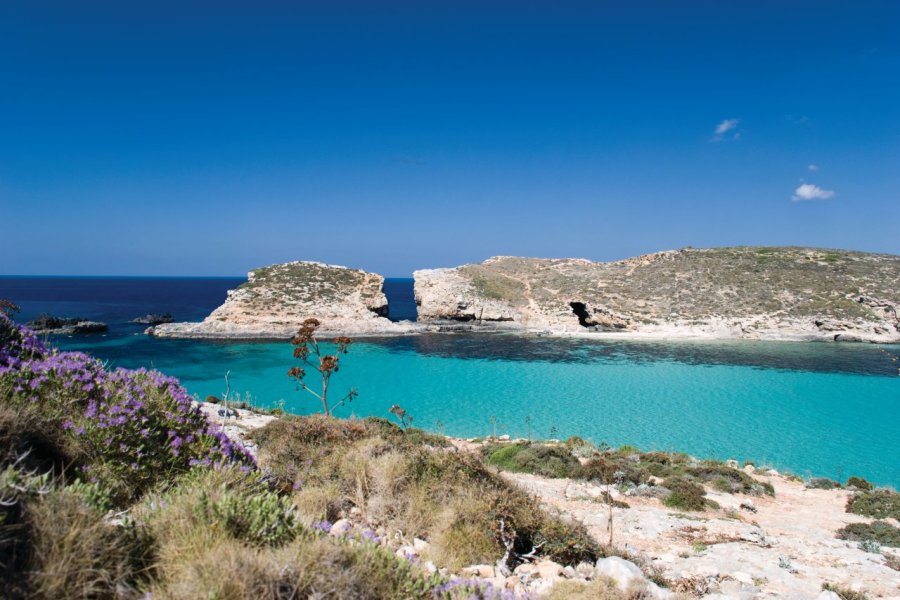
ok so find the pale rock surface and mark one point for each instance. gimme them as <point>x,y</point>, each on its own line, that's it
<point>483,571</point>
<point>624,572</point>
<point>797,524</point>
<point>340,527</point>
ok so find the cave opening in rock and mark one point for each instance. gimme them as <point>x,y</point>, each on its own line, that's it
<point>580,310</point>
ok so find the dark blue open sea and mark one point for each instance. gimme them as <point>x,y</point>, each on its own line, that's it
<point>812,408</point>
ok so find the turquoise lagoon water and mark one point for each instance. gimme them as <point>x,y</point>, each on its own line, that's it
<point>814,409</point>
<point>744,400</point>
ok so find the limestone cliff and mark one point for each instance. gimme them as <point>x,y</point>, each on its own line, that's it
<point>275,300</point>
<point>742,292</point>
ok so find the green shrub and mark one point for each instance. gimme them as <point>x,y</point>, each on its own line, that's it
<point>879,531</point>
<point>859,483</point>
<point>686,495</point>
<point>262,518</point>
<point>663,464</point>
<point>823,483</point>
<point>547,461</point>
<point>612,468</point>
<point>728,479</point>
<point>879,504</point>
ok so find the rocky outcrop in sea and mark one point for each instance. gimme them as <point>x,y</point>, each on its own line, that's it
<point>275,301</point>
<point>65,326</point>
<point>154,319</point>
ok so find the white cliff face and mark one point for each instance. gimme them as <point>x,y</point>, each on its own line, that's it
<point>277,299</point>
<point>746,292</point>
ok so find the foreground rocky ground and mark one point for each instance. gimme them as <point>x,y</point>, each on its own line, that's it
<point>759,546</point>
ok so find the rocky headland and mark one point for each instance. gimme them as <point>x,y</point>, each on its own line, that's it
<point>780,293</point>
<point>275,301</point>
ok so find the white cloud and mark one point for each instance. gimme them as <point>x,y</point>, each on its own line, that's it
<point>724,127</point>
<point>813,167</point>
<point>809,191</point>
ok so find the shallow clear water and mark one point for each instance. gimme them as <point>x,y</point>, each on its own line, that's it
<point>815,409</point>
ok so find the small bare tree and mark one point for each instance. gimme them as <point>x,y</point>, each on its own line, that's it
<point>309,353</point>
<point>402,416</point>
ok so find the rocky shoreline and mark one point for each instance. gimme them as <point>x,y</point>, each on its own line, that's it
<point>744,547</point>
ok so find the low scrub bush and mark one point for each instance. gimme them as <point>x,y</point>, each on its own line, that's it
<point>878,531</point>
<point>612,468</point>
<point>686,495</point>
<point>663,464</point>
<point>879,504</point>
<point>823,483</point>
<point>547,461</point>
<point>260,519</point>
<point>729,480</point>
<point>859,483</point>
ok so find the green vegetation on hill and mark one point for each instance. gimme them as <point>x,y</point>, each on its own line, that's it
<point>310,282</point>
<point>880,504</point>
<point>682,477</point>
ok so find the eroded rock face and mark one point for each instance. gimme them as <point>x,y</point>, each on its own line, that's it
<point>275,301</point>
<point>745,292</point>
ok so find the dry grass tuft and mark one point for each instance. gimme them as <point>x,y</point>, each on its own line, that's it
<point>405,483</point>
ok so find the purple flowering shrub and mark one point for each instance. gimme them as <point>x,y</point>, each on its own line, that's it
<point>17,343</point>
<point>134,428</point>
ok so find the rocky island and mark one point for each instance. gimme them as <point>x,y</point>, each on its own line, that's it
<point>742,292</point>
<point>276,299</point>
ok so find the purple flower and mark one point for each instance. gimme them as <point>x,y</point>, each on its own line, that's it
<point>323,526</point>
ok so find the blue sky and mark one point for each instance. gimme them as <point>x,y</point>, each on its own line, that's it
<point>208,138</point>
